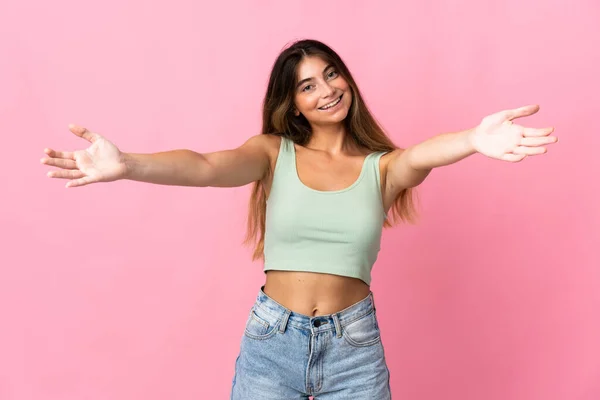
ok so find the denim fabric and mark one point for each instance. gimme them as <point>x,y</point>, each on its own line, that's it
<point>286,355</point>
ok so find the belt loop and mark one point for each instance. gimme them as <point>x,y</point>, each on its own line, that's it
<point>338,327</point>
<point>284,321</point>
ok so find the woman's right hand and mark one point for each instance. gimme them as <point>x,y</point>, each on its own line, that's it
<point>101,162</point>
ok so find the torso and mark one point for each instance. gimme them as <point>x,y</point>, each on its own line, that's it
<point>311,293</point>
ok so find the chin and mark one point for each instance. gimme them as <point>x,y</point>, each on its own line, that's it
<point>343,113</point>
<point>341,116</point>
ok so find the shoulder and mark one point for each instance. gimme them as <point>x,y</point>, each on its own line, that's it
<point>266,141</point>
<point>269,143</point>
<point>386,161</point>
<point>388,157</point>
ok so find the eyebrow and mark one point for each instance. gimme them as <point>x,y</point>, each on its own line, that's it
<point>311,78</point>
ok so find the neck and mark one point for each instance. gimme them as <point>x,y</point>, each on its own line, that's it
<point>332,139</point>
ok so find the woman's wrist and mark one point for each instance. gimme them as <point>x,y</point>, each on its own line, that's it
<point>130,165</point>
<point>442,150</point>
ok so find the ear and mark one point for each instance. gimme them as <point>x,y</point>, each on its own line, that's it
<point>296,112</point>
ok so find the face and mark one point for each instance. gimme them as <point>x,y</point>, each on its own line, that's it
<point>322,95</point>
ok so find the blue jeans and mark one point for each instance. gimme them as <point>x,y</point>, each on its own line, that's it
<point>285,355</point>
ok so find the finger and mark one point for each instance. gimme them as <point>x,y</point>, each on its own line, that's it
<point>537,131</point>
<point>513,157</point>
<point>521,112</point>
<point>80,182</point>
<point>529,151</point>
<point>59,162</point>
<point>60,154</point>
<point>83,132</point>
<point>538,141</point>
<point>66,174</point>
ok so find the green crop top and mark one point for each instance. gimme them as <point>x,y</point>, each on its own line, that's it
<point>334,232</point>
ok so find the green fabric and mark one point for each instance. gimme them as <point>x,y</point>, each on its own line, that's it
<point>335,232</point>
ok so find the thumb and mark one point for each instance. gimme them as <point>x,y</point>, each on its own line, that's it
<point>521,112</point>
<point>83,133</point>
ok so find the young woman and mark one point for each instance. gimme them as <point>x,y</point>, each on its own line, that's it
<point>326,180</point>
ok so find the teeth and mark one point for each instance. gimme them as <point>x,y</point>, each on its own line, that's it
<point>333,103</point>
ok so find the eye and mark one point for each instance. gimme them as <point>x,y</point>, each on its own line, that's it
<point>332,74</point>
<point>306,88</point>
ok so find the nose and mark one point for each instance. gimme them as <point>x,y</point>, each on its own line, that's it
<point>328,90</point>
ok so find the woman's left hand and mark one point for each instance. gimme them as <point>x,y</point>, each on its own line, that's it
<point>498,137</point>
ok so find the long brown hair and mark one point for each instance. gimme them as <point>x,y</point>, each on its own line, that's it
<point>279,119</point>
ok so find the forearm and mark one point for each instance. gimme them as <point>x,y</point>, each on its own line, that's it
<point>175,167</point>
<point>440,150</point>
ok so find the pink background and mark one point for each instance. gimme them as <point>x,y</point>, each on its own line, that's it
<point>133,291</point>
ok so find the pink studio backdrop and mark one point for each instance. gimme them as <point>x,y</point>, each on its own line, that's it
<point>133,291</point>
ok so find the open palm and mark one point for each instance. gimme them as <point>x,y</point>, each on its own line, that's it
<point>497,137</point>
<point>102,161</point>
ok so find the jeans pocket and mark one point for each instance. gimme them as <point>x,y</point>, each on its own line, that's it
<point>363,331</point>
<point>260,324</point>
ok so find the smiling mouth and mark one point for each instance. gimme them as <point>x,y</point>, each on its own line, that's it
<point>332,104</point>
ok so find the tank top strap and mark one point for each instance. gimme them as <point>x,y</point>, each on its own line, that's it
<point>373,166</point>
<point>287,145</point>
<point>374,175</point>
<point>284,165</point>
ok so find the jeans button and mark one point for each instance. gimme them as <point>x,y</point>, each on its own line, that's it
<point>317,323</point>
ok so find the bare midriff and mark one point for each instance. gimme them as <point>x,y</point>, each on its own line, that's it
<point>312,293</point>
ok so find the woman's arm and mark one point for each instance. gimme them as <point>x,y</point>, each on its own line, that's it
<point>102,161</point>
<point>227,168</point>
<point>496,137</point>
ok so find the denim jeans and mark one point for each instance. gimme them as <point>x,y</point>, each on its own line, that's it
<point>285,355</point>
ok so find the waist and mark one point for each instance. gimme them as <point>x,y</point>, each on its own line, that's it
<point>311,293</point>
<point>345,316</point>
